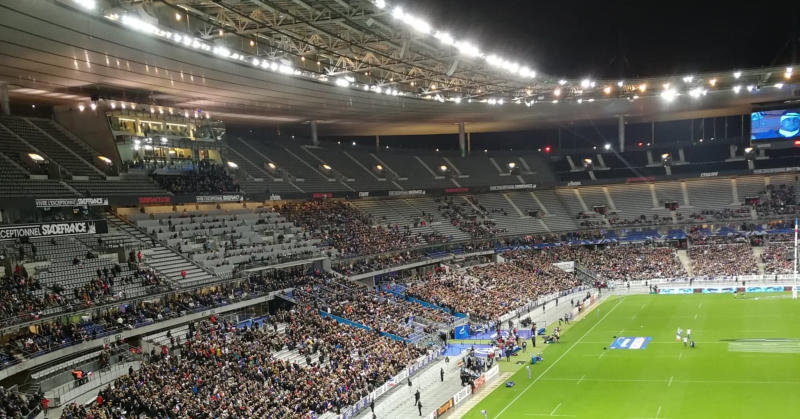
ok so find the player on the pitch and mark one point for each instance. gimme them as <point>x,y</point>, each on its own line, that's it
<point>678,334</point>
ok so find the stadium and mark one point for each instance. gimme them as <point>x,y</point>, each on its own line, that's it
<point>345,209</point>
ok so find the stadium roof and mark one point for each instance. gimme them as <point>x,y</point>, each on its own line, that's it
<point>352,66</point>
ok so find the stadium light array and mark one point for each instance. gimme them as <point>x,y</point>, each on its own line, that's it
<point>419,25</point>
<point>464,47</point>
<point>697,92</point>
<point>36,157</point>
<point>105,160</point>
<point>607,146</point>
<point>86,4</point>
<point>669,94</point>
<point>233,165</point>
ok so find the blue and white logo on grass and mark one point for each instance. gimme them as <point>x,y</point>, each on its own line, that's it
<point>630,342</point>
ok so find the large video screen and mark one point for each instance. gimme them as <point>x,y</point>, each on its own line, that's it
<point>775,124</point>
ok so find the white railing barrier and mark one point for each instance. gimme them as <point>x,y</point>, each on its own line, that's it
<point>393,382</point>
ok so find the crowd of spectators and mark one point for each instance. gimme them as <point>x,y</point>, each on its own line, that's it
<point>50,335</point>
<point>224,371</point>
<point>611,262</point>
<point>486,292</point>
<point>723,259</point>
<point>14,404</point>
<point>378,262</point>
<point>776,257</point>
<point>724,214</point>
<point>383,312</point>
<point>205,178</point>
<point>23,297</point>
<point>349,230</point>
<point>777,200</point>
<point>614,219</point>
<point>471,217</point>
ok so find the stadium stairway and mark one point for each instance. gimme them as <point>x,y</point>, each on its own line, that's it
<point>399,402</point>
<point>757,251</point>
<point>170,264</point>
<point>135,236</point>
<point>686,261</point>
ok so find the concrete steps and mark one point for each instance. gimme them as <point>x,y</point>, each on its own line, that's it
<point>683,256</point>
<point>399,402</point>
<point>757,251</point>
<point>170,264</point>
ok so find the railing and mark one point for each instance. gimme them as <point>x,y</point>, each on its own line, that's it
<point>117,329</point>
<point>70,391</point>
<point>397,380</point>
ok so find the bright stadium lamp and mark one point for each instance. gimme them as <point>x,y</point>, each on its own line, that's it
<point>669,94</point>
<point>666,159</point>
<point>233,165</point>
<point>443,168</point>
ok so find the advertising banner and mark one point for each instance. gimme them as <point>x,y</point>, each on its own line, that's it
<point>445,407</point>
<point>68,228</point>
<point>512,187</point>
<point>220,198</point>
<point>145,200</point>
<point>71,202</point>
<point>461,332</point>
<point>413,192</point>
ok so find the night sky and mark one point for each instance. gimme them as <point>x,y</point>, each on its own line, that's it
<point>584,39</point>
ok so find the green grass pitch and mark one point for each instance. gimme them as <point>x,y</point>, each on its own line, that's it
<point>716,379</point>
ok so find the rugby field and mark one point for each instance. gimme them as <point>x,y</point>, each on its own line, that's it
<point>746,362</point>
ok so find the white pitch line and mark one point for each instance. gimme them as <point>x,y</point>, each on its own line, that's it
<point>602,354</point>
<point>671,377</point>
<point>658,413</point>
<point>680,355</point>
<point>553,412</point>
<point>559,358</point>
<point>661,380</point>
<point>699,305</point>
<point>695,316</point>
<point>581,380</point>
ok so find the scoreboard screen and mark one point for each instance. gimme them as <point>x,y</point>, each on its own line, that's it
<point>775,125</point>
